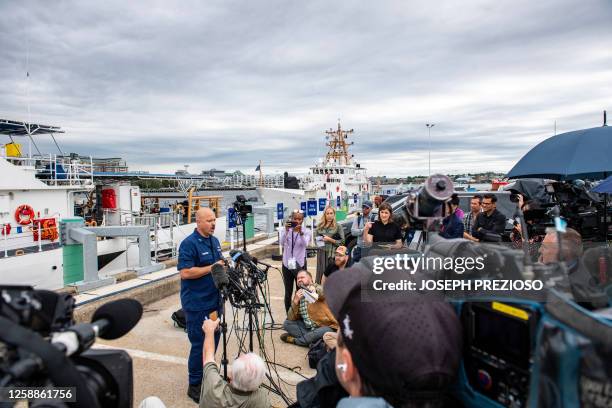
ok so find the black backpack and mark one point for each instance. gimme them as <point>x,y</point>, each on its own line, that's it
<point>316,352</point>
<point>179,319</point>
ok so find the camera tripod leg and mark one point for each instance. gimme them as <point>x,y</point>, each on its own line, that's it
<point>266,302</point>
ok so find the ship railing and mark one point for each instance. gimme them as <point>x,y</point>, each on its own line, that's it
<point>57,170</point>
<point>163,227</point>
<point>17,240</point>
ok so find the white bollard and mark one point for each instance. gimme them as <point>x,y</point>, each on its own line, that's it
<point>280,228</point>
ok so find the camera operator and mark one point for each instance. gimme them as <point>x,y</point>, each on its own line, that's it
<point>309,316</point>
<point>294,240</point>
<point>491,223</point>
<point>358,225</point>
<point>583,286</point>
<point>248,373</point>
<point>393,353</point>
<point>199,297</point>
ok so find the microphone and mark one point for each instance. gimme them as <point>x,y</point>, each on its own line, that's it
<point>219,276</point>
<point>111,321</point>
<point>239,256</point>
<point>258,262</point>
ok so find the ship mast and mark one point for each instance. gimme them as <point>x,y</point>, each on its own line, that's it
<point>338,146</point>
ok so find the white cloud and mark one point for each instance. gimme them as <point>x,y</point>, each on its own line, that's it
<point>226,83</point>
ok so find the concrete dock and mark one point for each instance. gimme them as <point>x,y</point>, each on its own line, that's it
<point>160,350</point>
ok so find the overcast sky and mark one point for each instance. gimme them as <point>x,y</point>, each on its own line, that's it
<point>225,84</point>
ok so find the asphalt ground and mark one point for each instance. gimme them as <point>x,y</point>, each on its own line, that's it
<point>160,350</point>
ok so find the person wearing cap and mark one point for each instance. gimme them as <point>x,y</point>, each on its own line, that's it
<point>341,261</point>
<point>392,352</point>
<point>309,316</point>
<point>358,225</point>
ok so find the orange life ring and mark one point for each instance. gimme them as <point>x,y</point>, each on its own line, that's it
<point>24,214</point>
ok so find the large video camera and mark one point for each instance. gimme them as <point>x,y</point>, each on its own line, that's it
<point>582,209</point>
<point>40,346</point>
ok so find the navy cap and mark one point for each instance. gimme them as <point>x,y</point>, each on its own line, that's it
<point>393,343</point>
<point>367,204</point>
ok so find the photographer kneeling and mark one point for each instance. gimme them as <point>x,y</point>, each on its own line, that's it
<point>309,318</point>
<point>248,372</point>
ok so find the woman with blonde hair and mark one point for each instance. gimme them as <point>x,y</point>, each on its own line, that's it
<point>330,232</point>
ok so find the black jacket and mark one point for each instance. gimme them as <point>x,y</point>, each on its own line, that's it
<point>490,224</point>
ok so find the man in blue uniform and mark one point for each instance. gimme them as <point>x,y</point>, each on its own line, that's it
<point>199,297</point>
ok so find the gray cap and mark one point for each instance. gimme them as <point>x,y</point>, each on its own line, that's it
<point>367,203</point>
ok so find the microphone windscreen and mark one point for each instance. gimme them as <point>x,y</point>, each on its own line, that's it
<point>122,315</point>
<point>219,276</point>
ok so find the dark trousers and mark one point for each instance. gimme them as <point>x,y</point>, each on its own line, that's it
<point>196,338</point>
<point>303,336</point>
<point>289,279</point>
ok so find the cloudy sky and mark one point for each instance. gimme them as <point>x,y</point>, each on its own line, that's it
<point>225,84</point>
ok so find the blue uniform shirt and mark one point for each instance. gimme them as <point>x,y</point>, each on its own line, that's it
<point>199,294</point>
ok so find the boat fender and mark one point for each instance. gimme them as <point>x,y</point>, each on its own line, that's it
<point>24,214</point>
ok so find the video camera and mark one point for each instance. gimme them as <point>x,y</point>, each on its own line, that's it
<point>241,207</point>
<point>582,209</point>
<point>40,346</point>
<point>523,349</point>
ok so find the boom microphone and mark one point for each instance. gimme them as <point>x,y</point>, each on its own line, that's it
<point>111,321</point>
<point>114,319</point>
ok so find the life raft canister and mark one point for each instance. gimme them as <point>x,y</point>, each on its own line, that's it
<point>24,214</point>
<point>109,199</point>
<point>47,229</point>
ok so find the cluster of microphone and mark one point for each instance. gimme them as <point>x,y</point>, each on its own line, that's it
<point>238,279</point>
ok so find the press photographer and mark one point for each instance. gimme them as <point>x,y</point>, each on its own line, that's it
<point>309,316</point>
<point>294,240</point>
<point>248,373</point>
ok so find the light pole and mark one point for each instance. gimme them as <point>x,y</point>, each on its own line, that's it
<point>429,126</point>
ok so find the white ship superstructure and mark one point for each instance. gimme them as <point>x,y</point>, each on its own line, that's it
<point>40,191</point>
<point>337,177</point>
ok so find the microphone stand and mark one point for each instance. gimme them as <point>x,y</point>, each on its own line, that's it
<point>224,360</point>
